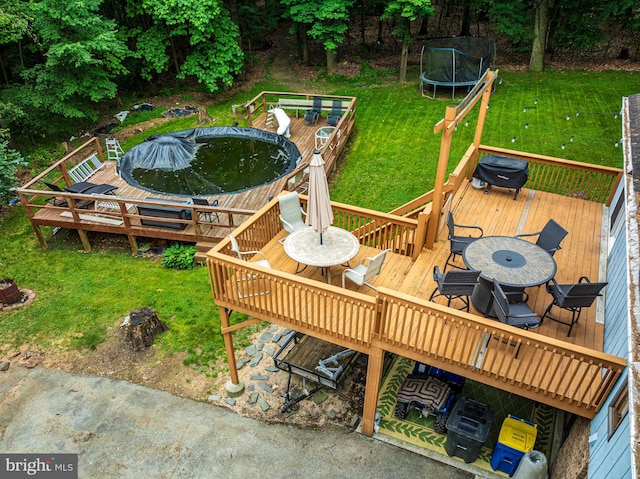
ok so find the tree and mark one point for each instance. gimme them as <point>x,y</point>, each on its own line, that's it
<point>302,14</point>
<point>514,20</point>
<point>14,25</point>
<point>8,160</point>
<point>79,54</point>
<point>542,24</point>
<point>540,32</point>
<point>328,21</point>
<point>202,39</point>
<point>404,12</point>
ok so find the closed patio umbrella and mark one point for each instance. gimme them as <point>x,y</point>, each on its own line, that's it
<point>319,214</point>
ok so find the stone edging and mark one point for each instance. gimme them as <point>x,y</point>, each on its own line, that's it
<point>27,297</point>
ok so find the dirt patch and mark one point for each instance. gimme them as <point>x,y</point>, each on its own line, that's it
<point>153,368</point>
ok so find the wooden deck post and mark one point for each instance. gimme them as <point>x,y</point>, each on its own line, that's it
<point>441,173</point>
<point>85,240</point>
<point>134,245</point>
<point>482,115</point>
<point>372,387</point>
<point>421,234</point>
<point>228,344</point>
<point>98,149</point>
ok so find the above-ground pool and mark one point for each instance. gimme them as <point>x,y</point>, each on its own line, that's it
<point>208,161</point>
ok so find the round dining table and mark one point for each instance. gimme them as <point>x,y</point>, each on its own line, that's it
<point>513,262</point>
<point>338,246</point>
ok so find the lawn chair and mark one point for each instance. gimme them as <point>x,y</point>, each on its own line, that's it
<point>366,271</point>
<point>78,204</point>
<point>209,216</point>
<point>458,243</point>
<point>336,113</point>
<point>291,212</point>
<point>572,297</point>
<point>245,292</point>
<point>550,237</point>
<point>56,201</point>
<point>311,116</point>
<point>452,285</point>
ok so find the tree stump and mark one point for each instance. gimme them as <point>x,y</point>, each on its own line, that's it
<point>203,116</point>
<point>141,326</point>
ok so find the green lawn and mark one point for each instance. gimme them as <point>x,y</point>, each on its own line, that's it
<point>391,159</point>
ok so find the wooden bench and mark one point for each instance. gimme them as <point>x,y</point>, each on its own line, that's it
<point>298,104</point>
<point>164,212</point>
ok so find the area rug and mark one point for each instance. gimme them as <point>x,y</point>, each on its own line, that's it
<point>419,431</point>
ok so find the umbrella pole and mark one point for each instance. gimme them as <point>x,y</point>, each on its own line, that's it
<point>320,238</point>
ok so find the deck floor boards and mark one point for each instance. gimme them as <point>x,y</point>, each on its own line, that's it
<point>498,214</point>
<point>232,205</point>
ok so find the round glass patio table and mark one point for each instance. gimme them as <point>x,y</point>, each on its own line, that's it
<point>322,135</point>
<point>513,262</point>
<point>338,247</point>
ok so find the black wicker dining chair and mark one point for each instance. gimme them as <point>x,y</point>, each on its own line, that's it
<point>456,284</point>
<point>513,313</point>
<point>549,237</point>
<point>457,242</point>
<point>572,297</point>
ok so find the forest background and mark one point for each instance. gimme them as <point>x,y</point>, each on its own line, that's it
<point>64,62</point>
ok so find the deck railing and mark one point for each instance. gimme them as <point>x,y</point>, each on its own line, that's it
<point>282,298</point>
<point>372,228</point>
<point>554,175</point>
<point>561,374</point>
<point>334,145</point>
<point>120,215</point>
<point>569,377</point>
<point>565,177</point>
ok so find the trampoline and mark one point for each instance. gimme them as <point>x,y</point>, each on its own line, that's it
<point>454,62</point>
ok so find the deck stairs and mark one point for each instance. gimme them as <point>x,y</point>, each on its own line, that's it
<point>201,251</point>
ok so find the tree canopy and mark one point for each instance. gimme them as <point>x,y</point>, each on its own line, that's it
<point>65,59</point>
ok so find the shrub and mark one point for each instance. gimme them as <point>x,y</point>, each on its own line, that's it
<point>8,160</point>
<point>179,256</point>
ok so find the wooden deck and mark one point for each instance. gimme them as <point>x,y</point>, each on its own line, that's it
<point>117,213</point>
<point>498,214</point>
<point>570,373</point>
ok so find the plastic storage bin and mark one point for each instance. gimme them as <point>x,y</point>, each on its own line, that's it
<point>468,427</point>
<point>516,438</point>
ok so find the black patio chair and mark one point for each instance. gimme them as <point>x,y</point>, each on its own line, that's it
<point>53,187</point>
<point>550,237</point>
<point>457,243</point>
<point>336,113</point>
<point>456,284</point>
<point>572,297</point>
<point>513,313</point>
<point>61,202</point>
<point>211,217</point>
<point>54,201</point>
<point>311,116</point>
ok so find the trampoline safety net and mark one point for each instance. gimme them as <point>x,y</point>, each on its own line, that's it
<point>452,62</point>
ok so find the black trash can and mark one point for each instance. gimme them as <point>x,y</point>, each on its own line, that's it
<point>468,427</point>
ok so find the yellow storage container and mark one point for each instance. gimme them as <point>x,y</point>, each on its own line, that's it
<point>518,434</point>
